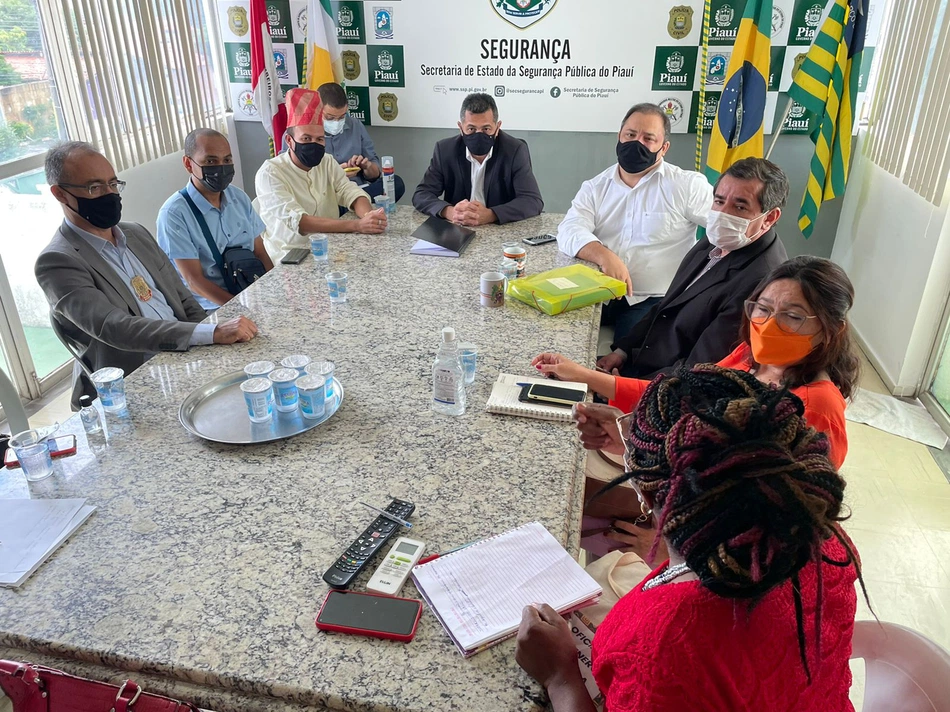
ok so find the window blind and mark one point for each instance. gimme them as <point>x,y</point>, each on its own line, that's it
<point>135,76</point>
<point>909,126</point>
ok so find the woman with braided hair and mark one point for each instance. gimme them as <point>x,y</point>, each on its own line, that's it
<point>754,610</point>
<point>794,333</point>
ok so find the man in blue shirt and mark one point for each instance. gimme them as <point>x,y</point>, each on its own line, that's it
<point>350,144</point>
<point>226,210</point>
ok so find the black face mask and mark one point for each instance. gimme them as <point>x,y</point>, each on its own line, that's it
<point>478,143</point>
<point>217,178</point>
<point>310,154</point>
<point>634,157</point>
<point>104,212</point>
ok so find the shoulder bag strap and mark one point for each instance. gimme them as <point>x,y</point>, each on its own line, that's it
<point>218,259</point>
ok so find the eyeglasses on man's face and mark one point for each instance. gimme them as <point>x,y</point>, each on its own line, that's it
<point>96,190</point>
<point>790,322</point>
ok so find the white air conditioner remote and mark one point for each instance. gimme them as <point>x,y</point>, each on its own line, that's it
<point>396,566</point>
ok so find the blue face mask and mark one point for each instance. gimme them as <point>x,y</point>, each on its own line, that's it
<point>334,127</point>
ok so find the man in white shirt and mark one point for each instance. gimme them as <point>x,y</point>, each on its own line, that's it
<point>298,193</point>
<point>637,219</point>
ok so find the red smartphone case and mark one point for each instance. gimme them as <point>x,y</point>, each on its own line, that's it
<point>331,628</point>
<point>10,461</point>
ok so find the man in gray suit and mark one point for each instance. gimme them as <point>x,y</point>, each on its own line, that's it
<point>111,289</point>
<point>481,176</point>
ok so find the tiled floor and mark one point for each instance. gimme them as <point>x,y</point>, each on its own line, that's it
<point>900,523</point>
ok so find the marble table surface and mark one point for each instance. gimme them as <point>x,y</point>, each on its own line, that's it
<point>200,572</point>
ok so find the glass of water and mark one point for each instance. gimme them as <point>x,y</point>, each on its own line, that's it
<point>32,451</point>
<point>469,355</point>
<point>320,247</point>
<point>336,283</point>
<point>110,385</point>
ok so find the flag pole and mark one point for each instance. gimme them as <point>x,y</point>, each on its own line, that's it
<point>781,125</point>
<point>702,86</point>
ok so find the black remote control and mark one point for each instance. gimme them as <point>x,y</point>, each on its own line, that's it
<point>366,545</point>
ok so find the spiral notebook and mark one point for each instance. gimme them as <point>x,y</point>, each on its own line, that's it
<point>504,398</point>
<point>479,592</point>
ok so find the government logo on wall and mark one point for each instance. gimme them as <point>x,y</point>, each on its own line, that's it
<point>383,22</point>
<point>237,21</point>
<point>351,64</point>
<point>522,13</point>
<point>245,102</point>
<point>357,101</point>
<point>674,68</point>
<point>673,108</point>
<point>387,106</point>
<point>681,22</point>
<point>349,21</point>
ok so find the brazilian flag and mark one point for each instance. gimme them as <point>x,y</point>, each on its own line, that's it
<point>827,85</point>
<point>740,120</point>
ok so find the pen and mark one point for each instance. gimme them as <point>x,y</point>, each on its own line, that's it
<point>433,557</point>
<point>522,385</point>
<point>391,517</point>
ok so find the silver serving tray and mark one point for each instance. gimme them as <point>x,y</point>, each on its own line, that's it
<point>216,412</point>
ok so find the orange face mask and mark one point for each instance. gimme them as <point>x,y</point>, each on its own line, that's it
<point>773,347</point>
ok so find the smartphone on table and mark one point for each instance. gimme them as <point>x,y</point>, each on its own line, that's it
<point>550,395</point>
<point>539,240</point>
<point>63,446</point>
<point>369,614</point>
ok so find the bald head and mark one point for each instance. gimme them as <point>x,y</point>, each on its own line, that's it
<point>198,140</point>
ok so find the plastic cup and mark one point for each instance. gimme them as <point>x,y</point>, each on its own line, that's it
<point>325,369</point>
<point>32,451</point>
<point>382,201</point>
<point>313,399</point>
<point>469,355</point>
<point>110,385</point>
<point>259,398</point>
<point>285,389</point>
<point>297,361</point>
<point>320,247</point>
<point>336,284</point>
<point>258,369</point>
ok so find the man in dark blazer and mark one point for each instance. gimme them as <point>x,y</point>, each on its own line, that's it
<point>482,175</point>
<point>698,319</point>
<point>112,291</point>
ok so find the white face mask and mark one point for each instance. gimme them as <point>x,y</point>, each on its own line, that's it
<point>334,128</point>
<point>728,232</point>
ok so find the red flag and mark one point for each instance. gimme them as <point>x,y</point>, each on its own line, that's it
<point>268,96</point>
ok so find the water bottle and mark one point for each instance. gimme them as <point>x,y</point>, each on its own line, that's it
<point>389,181</point>
<point>89,415</point>
<point>448,381</point>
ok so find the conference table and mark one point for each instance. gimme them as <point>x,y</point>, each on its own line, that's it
<point>199,574</point>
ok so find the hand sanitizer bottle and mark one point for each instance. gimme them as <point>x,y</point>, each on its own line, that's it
<point>448,384</point>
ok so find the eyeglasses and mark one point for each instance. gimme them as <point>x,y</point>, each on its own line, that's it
<point>789,322</point>
<point>97,189</point>
<point>623,425</point>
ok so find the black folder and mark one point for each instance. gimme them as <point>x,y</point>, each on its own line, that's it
<point>441,238</point>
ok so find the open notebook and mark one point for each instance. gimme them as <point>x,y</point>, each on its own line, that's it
<point>504,398</point>
<point>479,592</point>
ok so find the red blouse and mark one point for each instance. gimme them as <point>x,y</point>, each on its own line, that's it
<point>824,404</point>
<point>679,647</point>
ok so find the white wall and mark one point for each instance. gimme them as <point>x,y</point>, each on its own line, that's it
<point>895,246</point>
<point>149,186</point>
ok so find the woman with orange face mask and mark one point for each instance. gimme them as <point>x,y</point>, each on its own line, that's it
<point>795,334</point>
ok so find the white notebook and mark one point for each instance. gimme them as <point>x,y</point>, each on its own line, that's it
<point>479,592</point>
<point>504,398</point>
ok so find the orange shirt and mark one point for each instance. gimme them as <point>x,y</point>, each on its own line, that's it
<point>824,404</point>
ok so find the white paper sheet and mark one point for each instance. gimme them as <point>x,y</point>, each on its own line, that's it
<point>31,530</point>
<point>892,415</point>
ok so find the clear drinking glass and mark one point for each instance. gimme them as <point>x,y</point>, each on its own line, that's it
<point>320,247</point>
<point>32,451</point>
<point>110,385</point>
<point>469,355</point>
<point>336,284</point>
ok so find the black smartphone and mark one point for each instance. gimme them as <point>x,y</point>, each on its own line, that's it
<point>550,395</point>
<point>539,240</point>
<point>295,256</point>
<point>370,614</point>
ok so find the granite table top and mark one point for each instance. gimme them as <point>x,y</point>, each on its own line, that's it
<point>200,572</point>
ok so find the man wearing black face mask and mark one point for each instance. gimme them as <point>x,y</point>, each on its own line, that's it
<point>300,192</point>
<point>637,219</point>
<point>225,210</point>
<point>111,289</point>
<point>481,176</point>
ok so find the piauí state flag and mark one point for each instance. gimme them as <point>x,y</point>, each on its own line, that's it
<point>324,63</point>
<point>268,96</point>
<point>740,120</point>
<point>827,85</point>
